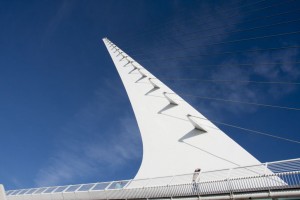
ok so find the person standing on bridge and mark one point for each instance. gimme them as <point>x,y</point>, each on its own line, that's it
<point>196,174</point>
<point>194,180</point>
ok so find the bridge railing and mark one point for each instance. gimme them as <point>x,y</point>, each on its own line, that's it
<point>265,176</point>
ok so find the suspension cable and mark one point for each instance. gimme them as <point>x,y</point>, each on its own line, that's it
<point>240,102</point>
<point>209,65</point>
<point>230,16</point>
<point>231,81</point>
<point>171,19</point>
<point>237,31</point>
<point>229,42</point>
<point>223,53</point>
<point>251,131</point>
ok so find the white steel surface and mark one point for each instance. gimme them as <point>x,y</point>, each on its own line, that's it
<point>281,178</point>
<point>176,138</point>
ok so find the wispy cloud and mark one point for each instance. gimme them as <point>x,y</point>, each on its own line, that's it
<point>64,9</point>
<point>215,28</point>
<point>87,147</point>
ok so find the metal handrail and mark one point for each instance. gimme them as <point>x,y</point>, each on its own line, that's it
<point>265,176</point>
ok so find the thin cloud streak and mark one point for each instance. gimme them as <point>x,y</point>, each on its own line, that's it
<point>87,148</point>
<point>239,92</point>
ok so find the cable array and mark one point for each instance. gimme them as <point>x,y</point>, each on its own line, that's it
<point>200,67</point>
<point>241,102</point>
<point>221,53</point>
<point>158,28</point>
<point>231,15</point>
<point>233,41</point>
<point>267,33</point>
<point>228,32</point>
<point>252,131</point>
<point>232,81</point>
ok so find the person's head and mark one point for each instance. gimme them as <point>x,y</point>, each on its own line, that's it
<point>197,170</point>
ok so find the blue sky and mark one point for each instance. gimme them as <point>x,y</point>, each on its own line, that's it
<point>64,115</point>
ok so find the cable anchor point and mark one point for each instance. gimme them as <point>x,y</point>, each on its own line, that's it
<point>171,101</point>
<point>195,124</point>
<point>153,84</point>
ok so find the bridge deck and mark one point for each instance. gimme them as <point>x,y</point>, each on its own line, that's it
<point>281,178</point>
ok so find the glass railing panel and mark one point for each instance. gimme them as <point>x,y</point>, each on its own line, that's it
<point>31,191</point>
<point>86,187</point>
<point>15,192</point>
<point>117,185</point>
<point>49,190</point>
<point>101,186</point>
<point>39,191</point>
<point>60,189</point>
<point>8,192</point>
<point>23,192</point>
<point>72,188</point>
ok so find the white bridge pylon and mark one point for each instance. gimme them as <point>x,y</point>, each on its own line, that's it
<point>176,137</point>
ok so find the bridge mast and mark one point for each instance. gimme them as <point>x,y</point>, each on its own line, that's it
<point>176,137</point>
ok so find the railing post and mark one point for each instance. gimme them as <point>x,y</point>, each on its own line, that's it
<point>266,167</point>
<point>93,187</point>
<point>229,183</point>
<point>89,191</point>
<point>145,185</point>
<point>199,184</point>
<point>266,178</point>
<point>147,182</point>
<point>107,188</point>
<point>171,180</point>
<point>169,185</point>
<point>127,184</point>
